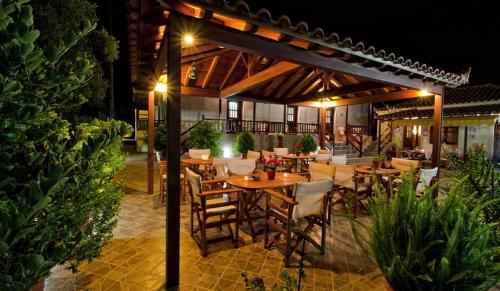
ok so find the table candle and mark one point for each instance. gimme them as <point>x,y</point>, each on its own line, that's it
<point>285,175</point>
<point>204,157</point>
<point>245,178</point>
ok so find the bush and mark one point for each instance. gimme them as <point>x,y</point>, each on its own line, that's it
<point>160,137</point>
<point>244,143</point>
<point>309,144</point>
<point>57,199</point>
<point>206,136</point>
<point>430,244</point>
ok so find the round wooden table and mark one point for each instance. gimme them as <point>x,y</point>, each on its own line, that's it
<point>194,165</point>
<point>298,158</point>
<point>389,173</point>
<point>250,199</point>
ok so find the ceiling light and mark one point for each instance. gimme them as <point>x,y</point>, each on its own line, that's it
<point>161,85</point>
<point>424,93</point>
<point>188,39</point>
<point>192,72</point>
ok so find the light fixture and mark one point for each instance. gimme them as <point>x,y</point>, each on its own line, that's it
<point>424,93</point>
<point>192,72</point>
<point>188,39</point>
<point>161,85</point>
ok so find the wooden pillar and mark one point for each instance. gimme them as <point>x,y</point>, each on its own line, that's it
<point>466,134</point>
<point>437,125</point>
<point>284,118</point>
<point>151,146</point>
<point>173,42</point>
<point>379,134</point>
<point>254,115</point>
<point>346,124</point>
<point>332,123</point>
<point>220,109</point>
<point>322,128</point>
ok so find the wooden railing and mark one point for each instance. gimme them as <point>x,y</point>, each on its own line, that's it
<point>384,139</point>
<point>235,126</point>
<point>354,135</point>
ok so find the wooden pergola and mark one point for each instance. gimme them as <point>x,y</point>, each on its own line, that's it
<point>241,54</point>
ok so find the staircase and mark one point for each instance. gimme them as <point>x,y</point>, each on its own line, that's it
<point>353,155</point>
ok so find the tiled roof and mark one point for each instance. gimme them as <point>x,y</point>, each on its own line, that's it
<point>448,112</point>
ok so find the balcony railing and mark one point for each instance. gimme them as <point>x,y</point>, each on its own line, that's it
<point>234,126</point>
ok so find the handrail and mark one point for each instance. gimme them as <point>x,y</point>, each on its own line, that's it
<point>384,138</point>
<point>354,136</point>
<point>235,125</point>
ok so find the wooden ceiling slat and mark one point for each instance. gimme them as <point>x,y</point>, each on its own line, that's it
<point>300,86</point>
<point>310,88</point>
<point>291,82</point>
<point>259,78</point>
<point>230,71</point>
<point>344,90</point>
<point>398,95</point>
<point>211,70</point>
<point>201,56</point>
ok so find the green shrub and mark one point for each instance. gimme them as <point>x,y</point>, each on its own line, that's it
<point>160,137</point>
<point>244,143</point>
<point>308,143</point>
<point>206,136</point>
<point>57,199</point>
<point>427,243</point>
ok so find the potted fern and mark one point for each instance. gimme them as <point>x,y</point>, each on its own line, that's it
<point>244,143</point>
<point>427,243</point>
<point>280,137</point>
<point>377,161</point>
<point>308,144</point>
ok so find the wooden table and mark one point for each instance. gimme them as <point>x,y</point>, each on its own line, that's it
<point>298,158</point>
<point>194,164</point>
<point>281,180</point>
<point>389,173</point>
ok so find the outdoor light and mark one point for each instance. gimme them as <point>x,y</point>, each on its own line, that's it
<point>188,39</point>
<point>161,85</point>
<point>245,178</point>
<point>285,175</point>
<point>226,152</point>
<point>425,93</point>
<point>192,72</point>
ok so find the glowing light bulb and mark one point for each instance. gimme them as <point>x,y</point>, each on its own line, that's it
<point>188,39</point>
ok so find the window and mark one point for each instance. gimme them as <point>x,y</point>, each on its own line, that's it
<point>233,110</point>
<point>328,116</point>
<point>291,114</point>
<point>449,135</point>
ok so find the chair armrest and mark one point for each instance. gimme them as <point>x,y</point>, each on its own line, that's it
<point>213,181</point>
<point>222,191</point>
<point>280,196</point>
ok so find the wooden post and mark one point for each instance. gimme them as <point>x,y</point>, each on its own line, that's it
<point>379,132</point>
<point>284,118</point>
<point>173,42</point>
<point>151,126</point>
<point>466,133</point>
<point>220,109</point>
<point>346,125</point>
<point>436,134</point>
<point>332,123</point>
<point>322,129</point>
<point>254,114</point>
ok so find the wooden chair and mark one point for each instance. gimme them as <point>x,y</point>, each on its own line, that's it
<point>405,164</point>
<point>280,151</point>
<point>347,181</point>
<point>425,178</point>
<point>225,207</point>
<point>266,154</point>
<point>318,172</point>
<point>297,217</point>
<point>241,167</point>
<point>253,155</point>
<point>342,160</point>
<point>162,166</point>
<point>324,158</point>
<point>198,154</point>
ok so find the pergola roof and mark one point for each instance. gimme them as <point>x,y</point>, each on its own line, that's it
<point>464,101</point>
<point>239,53</point>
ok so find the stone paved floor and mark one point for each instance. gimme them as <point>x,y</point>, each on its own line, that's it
<point>135,257</point>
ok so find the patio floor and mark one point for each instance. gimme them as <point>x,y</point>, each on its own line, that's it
<point>135,257</point>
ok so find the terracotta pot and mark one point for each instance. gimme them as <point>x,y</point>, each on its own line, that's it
<point>244,155</point>
<point>271,174</point>
<point>297,153</point>
<point>376,164</point>
<point>280,142</point>
<point>39,286</point>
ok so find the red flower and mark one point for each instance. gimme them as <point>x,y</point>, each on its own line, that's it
<point>272,163</point>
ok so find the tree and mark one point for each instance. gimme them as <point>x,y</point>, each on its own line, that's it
<point>53,18</point>
<point>57,199</point>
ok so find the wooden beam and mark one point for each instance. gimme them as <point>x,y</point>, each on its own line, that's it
<point>277,70</point>
<point>230,71</point>
<point>243,41</point>
<point>297,88</point>
<point>398,95</point>
<point>173,201</point>
<point>200,92</point>
<point>436,134</point>
<point>185,80</point>
<point>151,127</point>
<point>198,57</point>
<point>344,90</point>
<point>211,70</point>
<point>322,128</point>
<point>290,83</point>
<point>259,99</point>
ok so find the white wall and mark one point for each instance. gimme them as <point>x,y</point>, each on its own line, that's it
<point>307,115</point>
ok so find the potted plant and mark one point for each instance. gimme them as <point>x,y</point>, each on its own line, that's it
<point>160,139</point>
<point>393,149</point>
<point>280,137</point>
<point>308,144</point>
<point>270,167</point>
<point>298,148</point>
<point>427,243</point>
<point>206,136</point>
<point>377,161</point>
<point>244,143</point>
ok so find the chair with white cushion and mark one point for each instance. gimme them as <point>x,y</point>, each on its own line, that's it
<point>426,178</point>
<point>199,154</point>
<point>253,155</point>
<point>280,151</point>
<point>341,160</point>
<point>241,167</point>
<point>318,172</point>
<point>324,157</point>
<point>346,181</point>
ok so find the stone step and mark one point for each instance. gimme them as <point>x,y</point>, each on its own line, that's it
<point>364,159</point>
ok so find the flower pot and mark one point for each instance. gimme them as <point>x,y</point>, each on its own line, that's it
<point>297,153</point>
<point>244,155</point>
<point>376,164</point>
<point>280,141</point>
<point>271,174</point>
<point>39,286</point>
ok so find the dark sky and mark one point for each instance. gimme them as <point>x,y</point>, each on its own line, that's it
<point>450,35</point>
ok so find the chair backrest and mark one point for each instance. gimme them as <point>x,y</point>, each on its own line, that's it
<point>319,171</point>
<point>281,151</point>
<point>404,164</point>
<point>162,166</point>
<point>325,152</point>
<point>344,175</point>
<point>426,176</point>
<point>197,154</point>
<point>310,197</point>
<point>253,155</point>
<point>220,166</point>
<point>158,159</point>
<point>241,167</point>
<point>342,160</point>
<point>324,157</point>
<point>340,130</point>
<point>194,181</point>
<point>266,154</point>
